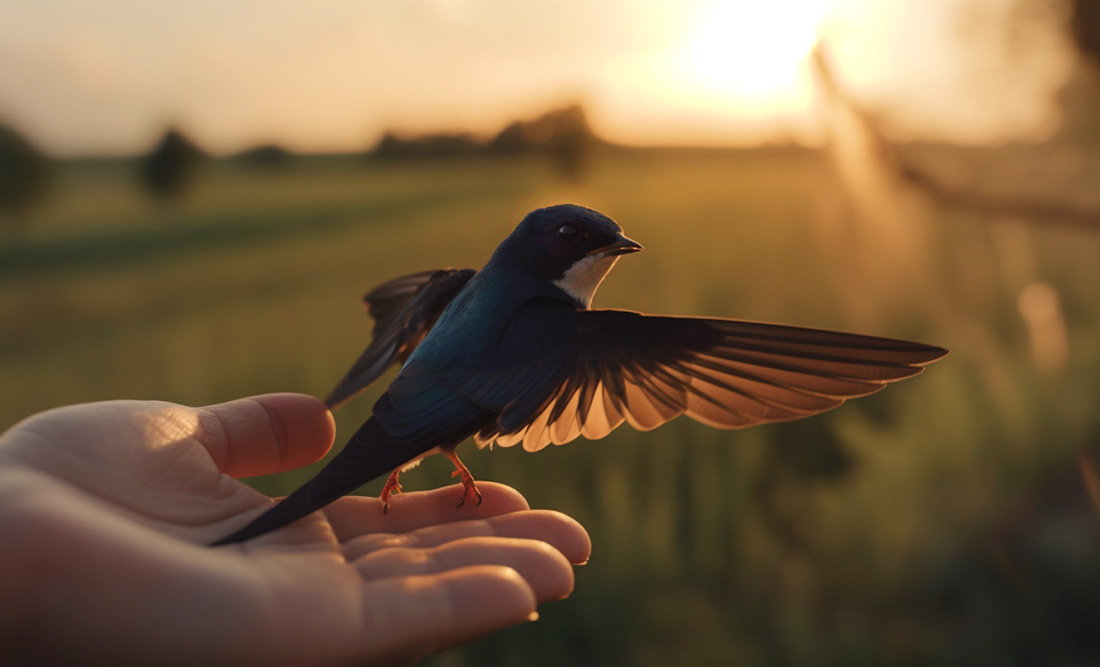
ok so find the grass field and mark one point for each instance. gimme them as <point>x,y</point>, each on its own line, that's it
<point>945,520</point>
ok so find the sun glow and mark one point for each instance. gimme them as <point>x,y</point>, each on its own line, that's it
<point>753,50</point>
<point>736,73</point>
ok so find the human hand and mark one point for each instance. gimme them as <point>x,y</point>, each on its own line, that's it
<point>105,509</point>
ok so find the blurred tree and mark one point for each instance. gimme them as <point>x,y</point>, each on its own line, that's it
<point>25,173</point>
<point>1080,97</point>
<point>171,167</point>
<point>1079,101</point>
<point>1084,25</point>
<point>266,156</point>
<point>392,145</point>
<point>563,133</point>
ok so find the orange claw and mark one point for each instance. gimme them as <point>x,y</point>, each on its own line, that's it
<point>469,488</point>
<point>392,486</point>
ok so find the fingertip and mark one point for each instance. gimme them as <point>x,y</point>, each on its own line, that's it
<point>542,566</point>
<point>308,428</point>
<point>561,531</point>
<point>501,587</point>
<point>552,578</point>
<point>577,545</point>
<point>412,617</point>
<point>485,599</point>
<point>266,434</point>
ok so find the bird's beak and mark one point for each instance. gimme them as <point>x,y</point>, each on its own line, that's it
<point>623,246</point>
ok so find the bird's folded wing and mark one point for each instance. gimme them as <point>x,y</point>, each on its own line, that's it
<point>404,310</point>
<point>595,369</point>
<point>386,300</point>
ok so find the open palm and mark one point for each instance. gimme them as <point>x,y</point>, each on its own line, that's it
<point>105,509</point>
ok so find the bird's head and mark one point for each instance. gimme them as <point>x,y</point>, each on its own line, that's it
<point>572,247</point>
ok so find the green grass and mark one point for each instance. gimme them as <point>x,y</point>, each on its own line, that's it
<point>885,532</point>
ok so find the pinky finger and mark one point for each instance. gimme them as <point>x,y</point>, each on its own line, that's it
<point>409,618</point>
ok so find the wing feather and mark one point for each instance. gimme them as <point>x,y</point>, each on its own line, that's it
<point>404,310</point>
<point>612,367</point>
<point>565,426</point>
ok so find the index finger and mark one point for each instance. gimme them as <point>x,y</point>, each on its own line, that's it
<point>352,516</point>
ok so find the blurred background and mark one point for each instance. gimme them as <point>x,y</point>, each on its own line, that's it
<point>194,197</point>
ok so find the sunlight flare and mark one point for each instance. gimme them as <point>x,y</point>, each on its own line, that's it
<point>754,50</point>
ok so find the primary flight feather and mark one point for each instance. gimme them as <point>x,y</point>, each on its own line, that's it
<point>514,354</point>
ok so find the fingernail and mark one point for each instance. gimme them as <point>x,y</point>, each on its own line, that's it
<point>583,562</point>
<point>533,616</point>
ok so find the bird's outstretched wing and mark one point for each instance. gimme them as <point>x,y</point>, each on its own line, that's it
<point>609,366</point>
<point>404,310</point>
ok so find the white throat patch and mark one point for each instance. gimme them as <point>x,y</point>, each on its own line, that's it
<point>586,274</point>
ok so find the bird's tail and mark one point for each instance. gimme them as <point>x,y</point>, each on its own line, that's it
<point>370,453</point>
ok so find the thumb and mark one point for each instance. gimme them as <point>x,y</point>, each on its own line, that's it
<point>266,434</point>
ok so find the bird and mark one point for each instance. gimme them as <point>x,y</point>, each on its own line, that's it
<point>514,354</point>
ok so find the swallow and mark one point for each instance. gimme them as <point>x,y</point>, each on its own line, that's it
<point>514,354</point>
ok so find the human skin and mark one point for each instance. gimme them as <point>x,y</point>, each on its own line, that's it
<point>106,508</point>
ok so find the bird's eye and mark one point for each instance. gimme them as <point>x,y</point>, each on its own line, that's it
<point>569,233</point>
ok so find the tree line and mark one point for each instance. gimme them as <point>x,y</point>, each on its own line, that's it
<point>171,167</point>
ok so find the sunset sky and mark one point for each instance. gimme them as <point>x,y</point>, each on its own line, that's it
<point>82,77</point>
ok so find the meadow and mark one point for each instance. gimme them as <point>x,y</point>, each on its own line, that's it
<point>945,520</point>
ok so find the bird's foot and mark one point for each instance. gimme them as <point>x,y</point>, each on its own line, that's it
<point>392,486</point>
<point>469,488</point>
<point>469,491</point>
